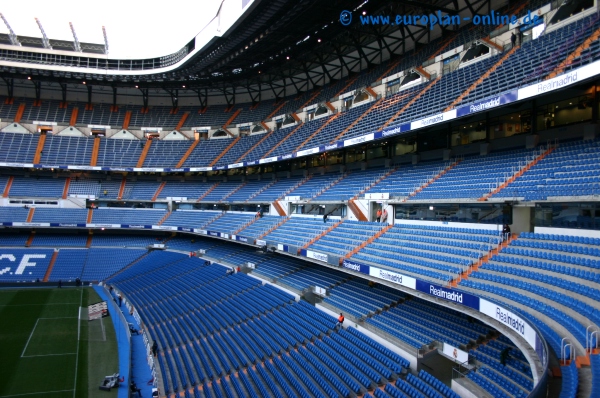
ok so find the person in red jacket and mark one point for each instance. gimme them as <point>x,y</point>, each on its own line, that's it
<point>378,215</point>
<point>340,321</point>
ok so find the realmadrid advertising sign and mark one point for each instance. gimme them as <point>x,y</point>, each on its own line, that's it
<point>509,319</point>
<point>561,81</point>
<point>449,294</point>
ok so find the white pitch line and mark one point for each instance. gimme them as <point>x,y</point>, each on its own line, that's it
<point>103,330</point>
<point>29,305</point>
<point>30,334</point>
<point>78,335</point>
<point>32,393</point>
<point>48,355</point>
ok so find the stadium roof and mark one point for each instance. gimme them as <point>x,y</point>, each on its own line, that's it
<point>271,45</point>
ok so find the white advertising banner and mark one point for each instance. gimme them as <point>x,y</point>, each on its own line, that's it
<point>564,80</point>
<point>394,277</point>
<point>458,355</point>
<point>435,119</point>
<point>316,255</point>
<point>509,319</point>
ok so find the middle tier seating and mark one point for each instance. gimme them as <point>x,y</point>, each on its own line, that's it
<point>298,231</point>
<point>105,215</point>
<point>429,252</point>
<point>346,237</point>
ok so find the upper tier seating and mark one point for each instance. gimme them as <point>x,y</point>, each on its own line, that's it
<point>166,153</point>
<point>119,153</point>
<point>60,150</point>
<point>214,115</point>
<point>265,146</point>
<point>206,151</point>
<point>539,56</point>
<point>17,148</point>
<point>240,148</point>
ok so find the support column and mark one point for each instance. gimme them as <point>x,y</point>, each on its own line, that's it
<point>89,106</point>
<point>487,127</point>
<point>533,116</point>
<point>596,103</point>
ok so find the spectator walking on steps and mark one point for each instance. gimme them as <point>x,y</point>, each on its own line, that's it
<point>378,215</point>
<point>154,348</point>
<point>340,321</point>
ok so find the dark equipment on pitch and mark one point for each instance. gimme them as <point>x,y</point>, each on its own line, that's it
<point>110,382</point>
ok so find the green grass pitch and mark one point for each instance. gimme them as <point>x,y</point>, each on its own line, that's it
<point>46,351</point>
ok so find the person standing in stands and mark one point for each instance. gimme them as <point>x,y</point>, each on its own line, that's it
<point>504,356</point>
<point>506,231</point>
<point>154,348</point>
<point>379,215</point>
<point>135,388</point>
<point>325,218</point>
<point>520,37</point>
<point>340,321</point>
<point>513,39</point>
<point>384,216</point>
<point>120,299</point>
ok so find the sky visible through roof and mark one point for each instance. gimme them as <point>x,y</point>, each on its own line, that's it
<point>135,29</point>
